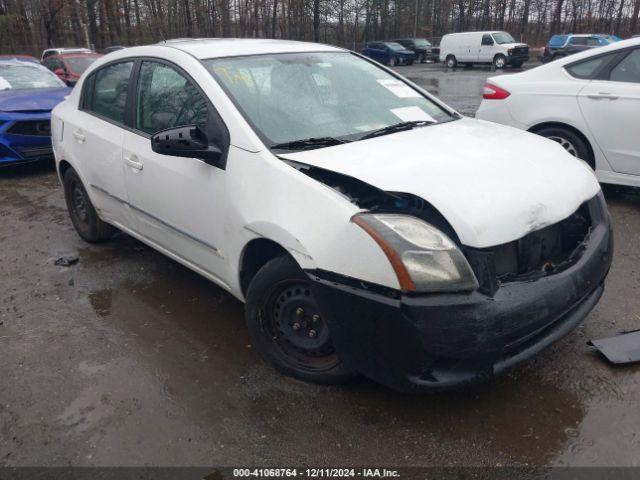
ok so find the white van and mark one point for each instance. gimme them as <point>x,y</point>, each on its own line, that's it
<point>498,48</point>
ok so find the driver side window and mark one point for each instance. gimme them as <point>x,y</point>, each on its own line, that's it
<point>167,99</point>
<point>486,39</point>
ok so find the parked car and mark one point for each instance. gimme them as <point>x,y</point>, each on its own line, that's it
<point>367,226</point>
<point>560,46</point>
<point>497,48</point>
<point>588,103</point>
<point>422,48</point>
<point>389,53</point>
<point>59,51</point>
<point>69,66</point>
<point>28,92</point>
<point>24,58</point>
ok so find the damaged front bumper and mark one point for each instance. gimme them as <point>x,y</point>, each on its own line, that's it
<point>436,341</point>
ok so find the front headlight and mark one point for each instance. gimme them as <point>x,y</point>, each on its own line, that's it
<point>424,258</point>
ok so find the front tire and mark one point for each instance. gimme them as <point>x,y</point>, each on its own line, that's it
<point>570,141</point>
<point>451,61</point>
<point>83,214</point>
<point>499,61</point>
<point>287,327</point>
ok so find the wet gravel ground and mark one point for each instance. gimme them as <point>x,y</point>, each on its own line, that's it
<point>128,358</point>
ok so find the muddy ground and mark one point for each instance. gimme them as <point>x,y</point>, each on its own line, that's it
<point>128,358</point>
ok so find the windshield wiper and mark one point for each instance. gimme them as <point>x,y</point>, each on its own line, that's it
<point>397,127</point>
<point>309,143</point>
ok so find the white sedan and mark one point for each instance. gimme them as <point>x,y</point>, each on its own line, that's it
<point>589,103</point>
<point>368,227</point>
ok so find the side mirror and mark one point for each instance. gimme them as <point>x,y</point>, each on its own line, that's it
<point>60,73</point>
<point>188,141</point>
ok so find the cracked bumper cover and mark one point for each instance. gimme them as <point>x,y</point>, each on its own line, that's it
<point>436,341</point>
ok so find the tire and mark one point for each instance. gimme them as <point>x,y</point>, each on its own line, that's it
<point>287,327</point>
<point>82,212</point>
<point>451,61</point>
<point>423,58</point>
<point>410,62</point>
<point>499,61</point>
<point>392,62</point>
<point>571,142</point>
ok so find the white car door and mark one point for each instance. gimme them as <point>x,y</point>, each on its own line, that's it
<point>178,203</point>
<point>486,49</point>
<point>94,136</point>
<point>611,109</point>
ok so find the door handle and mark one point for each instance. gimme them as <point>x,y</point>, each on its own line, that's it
<point>133,162</point>
<point>601,95</point>
<point>79,136</point>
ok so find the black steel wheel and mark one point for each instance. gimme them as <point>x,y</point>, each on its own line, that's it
<point>287,325</point>
<point>81,211</point>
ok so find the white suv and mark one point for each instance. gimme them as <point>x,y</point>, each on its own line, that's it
<point>588,102</point>
<point>368,227</point>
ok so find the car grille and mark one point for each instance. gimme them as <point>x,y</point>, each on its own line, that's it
<point>544,252</point>
<point>521,51</point>
<point>38,128</point>
<point>35,152</point>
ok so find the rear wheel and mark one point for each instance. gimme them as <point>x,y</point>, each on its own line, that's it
<point>451,61</point>
<point>570,141</point>
<point>82,212</point>
<point>499,61</point>
<point>287,326</point>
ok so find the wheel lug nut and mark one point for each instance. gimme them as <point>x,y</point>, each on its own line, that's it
<point>312,333</point>
<point>299,311</point>
<point>296,326</point>
<point>315,318</point>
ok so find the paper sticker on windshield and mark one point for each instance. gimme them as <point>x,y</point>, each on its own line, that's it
<point>398,88</point>
<point>4,85</point>
<point>412,114</point>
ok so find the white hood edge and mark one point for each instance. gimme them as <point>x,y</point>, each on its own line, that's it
<point>494,184</point>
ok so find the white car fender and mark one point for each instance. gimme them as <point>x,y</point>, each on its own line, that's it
<point>311,220</point>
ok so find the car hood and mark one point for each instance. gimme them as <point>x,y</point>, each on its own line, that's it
<point>32,100</point>
<point>494,184</point>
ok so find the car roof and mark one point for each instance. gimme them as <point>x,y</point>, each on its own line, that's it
<point>75,54</point>
<point>476,32</point>
<point>203,48</point>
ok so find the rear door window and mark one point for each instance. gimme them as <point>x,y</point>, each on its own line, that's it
<point>578,41</point>
<point>628,70</point>
<point>106,92</point>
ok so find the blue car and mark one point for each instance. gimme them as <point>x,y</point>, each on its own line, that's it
<point>28,93</point>
<point>389,53</point>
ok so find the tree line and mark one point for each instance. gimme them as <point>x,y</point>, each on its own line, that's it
<point>28,26</point>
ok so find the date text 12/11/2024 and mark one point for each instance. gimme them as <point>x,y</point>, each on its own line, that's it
<point>315,473</point>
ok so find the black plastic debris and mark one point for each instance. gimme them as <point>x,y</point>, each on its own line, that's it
<point>623,348</point>
<point>66,260</point>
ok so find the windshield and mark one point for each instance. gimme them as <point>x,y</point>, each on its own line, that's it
<point>420,42</point>
<point>25,76</point>
<point>503,37</point>
<point>80,64</point>
<point>294,96</point>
